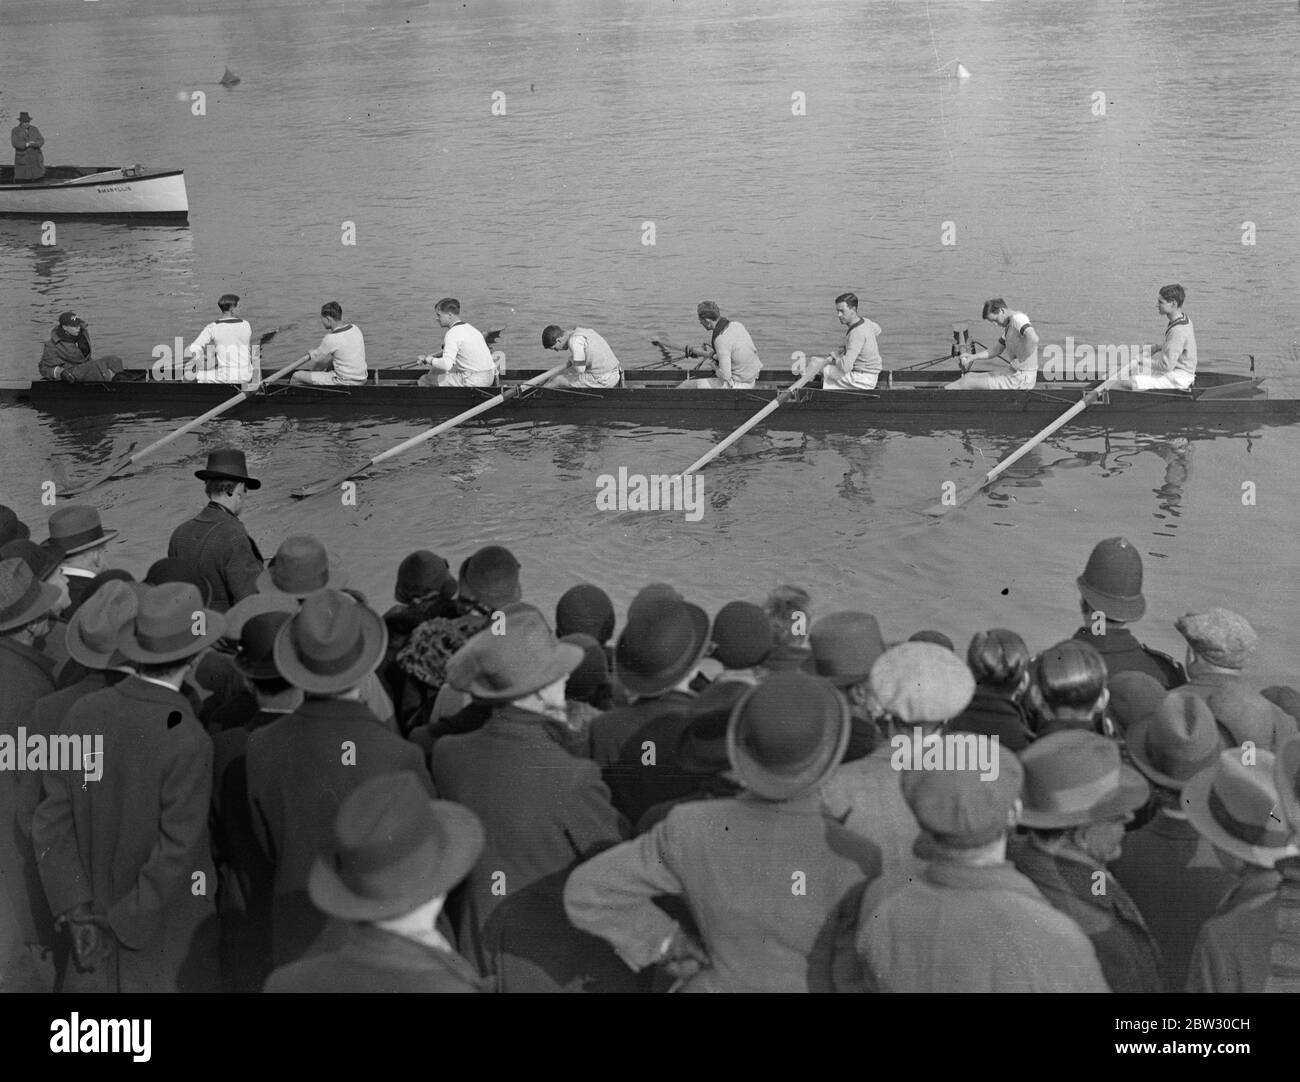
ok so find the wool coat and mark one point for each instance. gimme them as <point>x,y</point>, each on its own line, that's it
<point>228,560</point>
<point>134,844</point>
<point>1122,652</point>
<point>1232,952</point>
<point>29,161</point>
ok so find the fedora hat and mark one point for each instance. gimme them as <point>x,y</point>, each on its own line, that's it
<point>1175,742</point>
<point>921,683</point>
<point>526,658</point>
<point>23,597</point>
<point>254,658</point>
<point>76,527</point>
<point>1235,808</point>
<point>12,528</point>
<point>1243,714</point>
<point>227,464</point>
<point>164,628</point>
<point>392,850</point>
<point>1074,777</point>
<point>844,647</point>
<point>1112,581</point>
<point>787,734</point>
<point>256,605</point>
<point>301,566</point>
<point>702,747</point>
<point>742,635</point>
<point>44,559</point>
<point>94,629</point>
<point>663,640</point>
<point>330,644</point>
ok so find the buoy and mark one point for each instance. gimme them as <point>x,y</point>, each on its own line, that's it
<point>229,79</point>
<point>962,73</point>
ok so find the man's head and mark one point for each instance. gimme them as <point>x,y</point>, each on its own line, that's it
<point>919,684</point>
<point>1170,300</point>
<point>71,324</point>
<point>1111,583</point>
<point>447,311</point>
<point>228,303</point>
<point>708,314</point>
<point>331,314</point>
<point>1067,687</point>
<point>225,478</point>
<point>492,578</point>
<point>553,337</point>
<point>24,117</point>
<point>964,811</point>
<point>75,529</point>
<point>999,660</point>
<point>995,311</point>
<point>520,662</point>
<point>1217,638</point>
<point>846,308</point>
<point>26,603</point>
<point>845,646</point>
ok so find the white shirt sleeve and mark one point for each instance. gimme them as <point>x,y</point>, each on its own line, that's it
<point>201,342</point>
<point>578,347</point>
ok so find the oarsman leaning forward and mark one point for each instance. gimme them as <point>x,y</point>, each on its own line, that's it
<point>856,365</point>
<point>1173,362</point>
<point>1017,347</point>
<point>215,541</point>
<point>223,352</point>
<point>591,360</point>
<point>465,359</point>
<point>735,359</point>
<point>341,356</point>
<point>27,140</point>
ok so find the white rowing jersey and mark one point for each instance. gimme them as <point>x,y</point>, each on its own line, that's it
<point>467,351</point>
<point>1020,354</point>
<point>223,352</point>
<point>345,349</point>
<point>592,352</point>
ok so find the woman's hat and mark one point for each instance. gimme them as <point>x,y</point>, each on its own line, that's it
<point>227,464</point>
<point>1073,777</point>
<point>525,658</point>
<point>330,644</point>
<point>256,655</point>
<point>787,734</point>
<point>663,640</point>
<point>1176,742</point>
<point>94,629</point>
<point>585,609</point>
<point>392,850</point>
<point>23,597</point>
<point>170,624</point>
<point>301,566</point>
<point>421,575</point>
<point>1236,807</point>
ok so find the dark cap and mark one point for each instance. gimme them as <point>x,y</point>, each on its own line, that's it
<point>71,319</point>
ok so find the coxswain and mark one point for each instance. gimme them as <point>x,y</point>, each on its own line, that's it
<point>856,365</point>
<point>1173,362</point>
<point>341,356</point>
<point>223,353</point>
<point>465,359</point>
<point>735,360</point>
<point>27,140</point>
<point>1018,347</point>
<point>591,360</point>
<point>67,356</point>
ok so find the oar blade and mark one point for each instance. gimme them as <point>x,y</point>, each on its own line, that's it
<point>333,482</point>
<point>120,464</point>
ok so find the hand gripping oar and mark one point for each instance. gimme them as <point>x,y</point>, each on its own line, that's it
<point>428,434</point>
<point>810,373</point>
<point>130,459</point>
<point>971,491</point>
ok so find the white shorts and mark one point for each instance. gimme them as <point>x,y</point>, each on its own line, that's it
<point>582,377</point>
<point>455,378</point>
<point>834,378</point>
<point>328,378</point>
<point>713,383</point>
<point>1177,380</point>
<point>995,381</point>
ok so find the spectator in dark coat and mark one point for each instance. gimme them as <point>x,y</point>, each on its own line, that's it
<point>125,857</point>
<point>393,857</point>
<point>1173,874</point>
<point>214,541</point>
<point>542,808</point>
<point>999,661</point>
<point>12,528</point>
<point>301,766</point>
<point>66,355</point>
<point>425,590</point>
<point>844,647</point>
<point>44,560</point>
<point>1078,797</point>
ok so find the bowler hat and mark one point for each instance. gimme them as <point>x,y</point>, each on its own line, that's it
<point>173,569</point>
<point>256,605</point>
<point>1234,805</point>
<point>301,566</point>
<point>585,609</point>
<point>43,559</point>
<point>421,575</point>
<point>702,747</point>
<point>24,117</point>
<point>330,644</point>
<point>257,645</point>
<point>23,597</point>
<point>12,528</point>
<point>787,734</point>
<point>227,464</point>
<point>1219,636</point>
<point>94,629</point>
<point>742,635</point>
<point>844,647</point>
<point>655,591</point>
<point>1074,777</point>
<point>75,527</point>
<point>1112,581</point>
<point>392,850</point>
<point>1176,742</point>
<point>663,640</point>
<point>921,683</point>
<point>525,658</point>
<point>170,624</point>
<point>964,809</point>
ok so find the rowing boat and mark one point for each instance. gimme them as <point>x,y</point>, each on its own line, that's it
<point>652,397</point>
<point>103,191</point>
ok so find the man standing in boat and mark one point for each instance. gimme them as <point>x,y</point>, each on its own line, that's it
<point>1018,347</point>
<point>856,365</point>
<point>341,356</point>
<point>66,355</point>
<point>222,353</point>
<point>591,360</point>
<point>1173,362</point>
<point>465,359</point>
<point>27,140</point>
<point>736,363</point>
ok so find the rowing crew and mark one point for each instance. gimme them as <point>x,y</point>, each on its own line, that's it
<point>223,353</point>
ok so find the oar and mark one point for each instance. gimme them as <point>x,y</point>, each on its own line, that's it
<point>971,491</point>
<point>810,373</point>
<point>130,459</point>
<point>436,430</point>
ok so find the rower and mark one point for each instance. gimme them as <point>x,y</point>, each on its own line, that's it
<point>1173,362</point>
<point>465,359</point>
<point>1018,347</point>
<point>341,356</point>
<point>27,140</point>
<point>736,363</point>
<point>222,353</point>
<point>856,365</point>
<point>591,360</point>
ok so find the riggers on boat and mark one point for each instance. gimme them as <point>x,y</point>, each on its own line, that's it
<point>102,191</point>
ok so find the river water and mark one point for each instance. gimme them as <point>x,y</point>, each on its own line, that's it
<point>518,155</point>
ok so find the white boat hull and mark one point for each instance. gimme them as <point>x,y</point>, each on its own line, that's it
<point>115,193</point>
